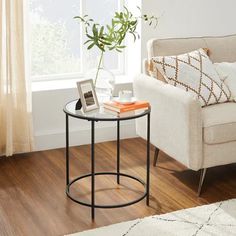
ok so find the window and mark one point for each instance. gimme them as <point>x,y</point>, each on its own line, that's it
<point>57,49</point>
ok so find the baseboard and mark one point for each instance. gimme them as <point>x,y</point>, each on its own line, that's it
<point>56,139</point>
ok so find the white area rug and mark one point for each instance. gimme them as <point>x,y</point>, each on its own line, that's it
<point>214,219</point>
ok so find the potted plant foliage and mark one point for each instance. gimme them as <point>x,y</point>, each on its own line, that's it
<point>112,36</point>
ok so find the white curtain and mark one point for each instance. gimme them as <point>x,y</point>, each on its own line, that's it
<point>15,96</point>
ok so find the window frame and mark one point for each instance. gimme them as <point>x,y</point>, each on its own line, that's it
<point>79,75</point>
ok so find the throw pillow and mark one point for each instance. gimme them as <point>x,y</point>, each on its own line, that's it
<point>227,73</point>
<point>195,73</point>
<point>154,72</point>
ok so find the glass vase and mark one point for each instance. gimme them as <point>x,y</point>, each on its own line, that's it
<point>104,85</point>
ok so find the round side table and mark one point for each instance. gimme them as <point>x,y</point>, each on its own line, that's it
<point>101,116</point>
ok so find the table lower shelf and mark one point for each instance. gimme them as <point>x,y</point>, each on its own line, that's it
<point>107,206</point>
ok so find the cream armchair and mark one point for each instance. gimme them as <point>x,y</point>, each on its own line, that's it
<point>197,137</point>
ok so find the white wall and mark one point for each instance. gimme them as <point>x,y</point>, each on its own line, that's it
<point>49,122</point>
<point>178,18</point>
<point>185,18</point>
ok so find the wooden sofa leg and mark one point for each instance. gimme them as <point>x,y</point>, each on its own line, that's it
<point>155,156</point>
<point>202,177</point>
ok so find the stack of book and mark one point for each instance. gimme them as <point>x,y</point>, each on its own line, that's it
<point>123,110</point>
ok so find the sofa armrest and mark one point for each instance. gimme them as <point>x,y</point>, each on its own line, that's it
<point>176,120</point>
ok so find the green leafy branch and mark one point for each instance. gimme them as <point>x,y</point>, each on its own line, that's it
<point>112,36</point>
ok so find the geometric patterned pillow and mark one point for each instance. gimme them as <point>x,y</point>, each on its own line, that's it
<point>195,73</point>
<point>155,73</point>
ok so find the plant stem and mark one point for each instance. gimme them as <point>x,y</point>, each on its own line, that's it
<point>99,67</point>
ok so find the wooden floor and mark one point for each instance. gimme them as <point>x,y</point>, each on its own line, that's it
<point>33,200</point>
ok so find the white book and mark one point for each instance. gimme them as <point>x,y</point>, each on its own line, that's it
<point>124,114</point>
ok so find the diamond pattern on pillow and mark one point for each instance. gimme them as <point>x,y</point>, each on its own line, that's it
<point>195,73</point>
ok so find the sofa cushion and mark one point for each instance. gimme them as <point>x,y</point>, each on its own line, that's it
<point>195,73</point>
<point>227,73</point>
<point>219,123</point>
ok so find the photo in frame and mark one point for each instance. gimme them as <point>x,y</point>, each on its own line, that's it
<point>87,95</point>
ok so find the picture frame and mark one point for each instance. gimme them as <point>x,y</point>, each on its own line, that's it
<point>87,95</point>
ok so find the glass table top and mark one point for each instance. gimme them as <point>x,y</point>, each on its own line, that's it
<point>100,114</point>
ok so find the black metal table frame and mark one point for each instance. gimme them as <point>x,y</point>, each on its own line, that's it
<point>118,173</point>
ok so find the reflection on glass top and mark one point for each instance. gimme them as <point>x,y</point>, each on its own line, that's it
<point>99,113</point>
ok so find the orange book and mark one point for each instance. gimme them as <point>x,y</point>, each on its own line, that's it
<point>118,107</point>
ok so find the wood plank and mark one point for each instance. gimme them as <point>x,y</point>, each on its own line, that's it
<point>33,200</point>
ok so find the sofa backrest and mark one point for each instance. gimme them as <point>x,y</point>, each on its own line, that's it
<point>221,48</point>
